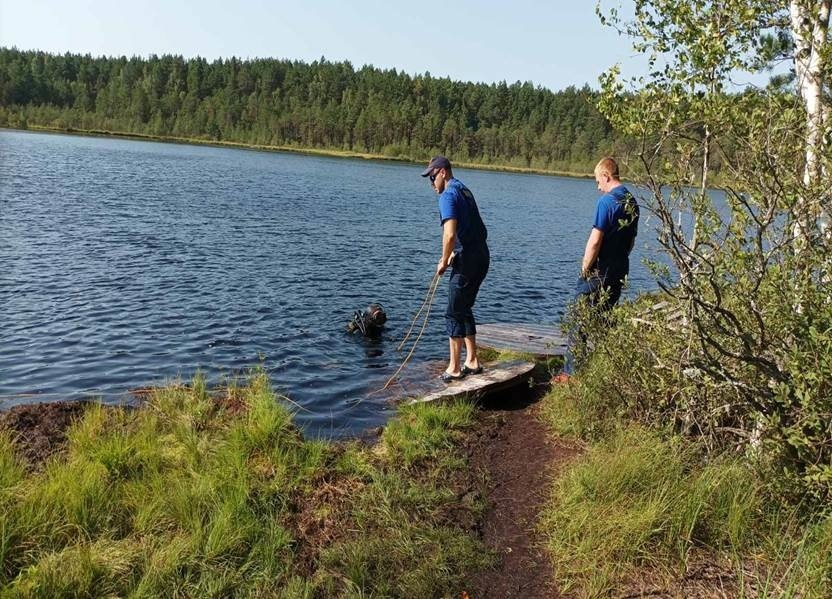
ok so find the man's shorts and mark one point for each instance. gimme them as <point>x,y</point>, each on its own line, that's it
<point>462,293</point>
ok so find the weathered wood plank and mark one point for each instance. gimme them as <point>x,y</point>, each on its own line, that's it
<point>537,339</point>
<point>495,376</point>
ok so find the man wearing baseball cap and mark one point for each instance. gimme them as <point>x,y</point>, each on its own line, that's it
<point>465,250</point>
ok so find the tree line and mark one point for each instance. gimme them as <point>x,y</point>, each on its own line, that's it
<point>327,105</point>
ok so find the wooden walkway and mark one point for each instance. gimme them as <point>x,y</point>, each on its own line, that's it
<point>496,376</point>
<point>536,339</point>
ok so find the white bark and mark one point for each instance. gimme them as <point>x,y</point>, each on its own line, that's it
<point>810,26</point>
<point>821,42</point>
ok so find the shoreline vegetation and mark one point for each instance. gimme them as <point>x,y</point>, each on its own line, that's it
<point>328,153</point>
<point>656,506</point>
<point>214,492</point>
<point>207,494</point>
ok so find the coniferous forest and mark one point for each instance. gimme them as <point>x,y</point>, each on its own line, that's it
<point>322,105</point>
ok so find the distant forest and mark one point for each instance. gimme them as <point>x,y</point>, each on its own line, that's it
<point>322,105</point>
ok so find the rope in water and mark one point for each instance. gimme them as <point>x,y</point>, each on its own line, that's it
<point>428,302</point>
<point>434,285</point>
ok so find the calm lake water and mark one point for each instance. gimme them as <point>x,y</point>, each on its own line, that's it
<point>125,264</point>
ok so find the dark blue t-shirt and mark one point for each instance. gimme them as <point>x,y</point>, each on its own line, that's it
<point>458,202</point>
<point>616,215</point>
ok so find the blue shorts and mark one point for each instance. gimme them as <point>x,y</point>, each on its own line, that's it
<point>462,293</point>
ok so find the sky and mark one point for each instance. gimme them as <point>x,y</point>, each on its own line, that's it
<point>553,44</point>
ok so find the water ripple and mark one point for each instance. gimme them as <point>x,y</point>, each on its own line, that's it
<point>125,264</point>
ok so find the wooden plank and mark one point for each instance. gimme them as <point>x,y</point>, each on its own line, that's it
<point>658,314</point>
<point>495,376</point>
<point>536,339</point>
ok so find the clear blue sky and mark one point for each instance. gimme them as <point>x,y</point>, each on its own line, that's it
<point>554,44</point>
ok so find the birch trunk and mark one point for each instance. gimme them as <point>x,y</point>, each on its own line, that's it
<point>809,28</point>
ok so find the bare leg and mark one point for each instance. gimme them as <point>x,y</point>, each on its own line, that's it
<point>471,360</point>
<point>455,344</point>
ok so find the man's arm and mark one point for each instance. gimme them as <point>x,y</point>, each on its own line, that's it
<point>593,247</point>
<point>448,242</point>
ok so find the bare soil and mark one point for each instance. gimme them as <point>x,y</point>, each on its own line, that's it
<point>519,458</point>
<point>39,430</point>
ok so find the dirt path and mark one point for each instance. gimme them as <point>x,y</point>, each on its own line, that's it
<point>520,459</point>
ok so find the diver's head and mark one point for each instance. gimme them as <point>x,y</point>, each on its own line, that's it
<point>368,321</point>
<point>375,314</point>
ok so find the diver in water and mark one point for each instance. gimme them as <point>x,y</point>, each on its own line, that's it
<point>368,321</point>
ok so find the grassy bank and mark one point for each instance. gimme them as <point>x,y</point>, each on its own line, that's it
<point>655,506</point>
<point>198,495</point>
<point>332,153</point>
<point>640,512</point>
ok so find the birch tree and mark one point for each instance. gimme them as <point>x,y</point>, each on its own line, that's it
<point>751,361</point>
<point>809,21</point>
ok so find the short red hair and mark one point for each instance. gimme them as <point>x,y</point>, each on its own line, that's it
<point>607,166</point>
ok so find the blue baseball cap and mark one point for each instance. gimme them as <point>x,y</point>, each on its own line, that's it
<point>435,163</point>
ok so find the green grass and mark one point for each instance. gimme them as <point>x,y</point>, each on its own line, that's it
<point>573,410</point>
<point>799,557</point>
<point>423,432</point>
<point>186,498</point>
<point>636,501</point>
<point>649,495</point>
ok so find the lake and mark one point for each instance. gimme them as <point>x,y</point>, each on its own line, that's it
<point>125,264</point>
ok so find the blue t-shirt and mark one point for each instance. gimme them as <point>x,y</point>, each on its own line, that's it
<point>616,215</point>
<point>458,202</point>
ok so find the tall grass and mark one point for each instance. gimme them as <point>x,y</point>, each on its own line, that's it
<point>422,432</point>
<point>799,557</point>
<point>184,497</point>
<point>645,497</point>
<point>637,501</point>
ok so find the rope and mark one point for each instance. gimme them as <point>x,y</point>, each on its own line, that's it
<point>433,283</point>
<point>429,303</point>
<point>296,404</point>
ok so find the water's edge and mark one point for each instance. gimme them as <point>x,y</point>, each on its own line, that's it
<point>194,141</point>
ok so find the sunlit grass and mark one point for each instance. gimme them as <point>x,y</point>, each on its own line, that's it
<point>187,497</point>
<point>422,431</point>
<point>637,501</point>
